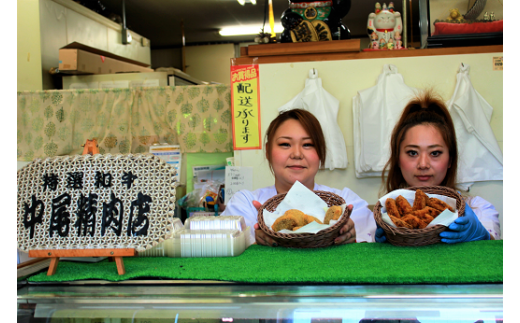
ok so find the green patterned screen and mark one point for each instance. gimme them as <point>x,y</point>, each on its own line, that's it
<point>129,120</point>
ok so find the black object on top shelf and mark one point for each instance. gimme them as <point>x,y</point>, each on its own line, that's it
<point>465,40</point>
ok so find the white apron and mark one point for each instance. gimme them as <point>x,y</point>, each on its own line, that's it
<point>376,110</point>
<point>325,108</point>
<point>480,157</point>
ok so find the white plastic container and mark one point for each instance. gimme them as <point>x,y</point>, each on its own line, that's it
<point>210,243</point>
<point>164,248</point>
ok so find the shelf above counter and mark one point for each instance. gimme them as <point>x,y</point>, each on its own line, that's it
<point>289,56</point>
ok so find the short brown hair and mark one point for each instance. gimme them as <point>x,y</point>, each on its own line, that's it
<point>309,123</point>
<point>425,108</point>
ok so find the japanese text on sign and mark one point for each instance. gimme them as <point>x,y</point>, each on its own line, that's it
<point>245,107</point>
<point>86,207</point>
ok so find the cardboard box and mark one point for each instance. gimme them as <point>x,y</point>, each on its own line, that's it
<point>77,58</point>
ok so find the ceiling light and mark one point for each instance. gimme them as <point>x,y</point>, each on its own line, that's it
<point>248,30</point>
<point>243,2</point>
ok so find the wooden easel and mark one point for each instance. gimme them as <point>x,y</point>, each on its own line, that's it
<point>55,254</point>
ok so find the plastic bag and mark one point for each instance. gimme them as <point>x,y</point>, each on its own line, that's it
<point>325,108</point>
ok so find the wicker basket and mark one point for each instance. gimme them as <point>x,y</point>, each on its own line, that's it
<point>418,237</point>
<point>324,238</point>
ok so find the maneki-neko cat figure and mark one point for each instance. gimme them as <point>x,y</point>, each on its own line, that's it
<point>386,23</point>
<point>318,20</point>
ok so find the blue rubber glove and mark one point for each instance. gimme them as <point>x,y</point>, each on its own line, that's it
<point>380,235</point>
<point>465,228</point>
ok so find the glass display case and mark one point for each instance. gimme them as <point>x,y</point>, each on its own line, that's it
<point>456,23</point>
<point>212,301</point>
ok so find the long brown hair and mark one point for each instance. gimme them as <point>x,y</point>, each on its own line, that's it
<point>425,108</point>
<point>308,122</point>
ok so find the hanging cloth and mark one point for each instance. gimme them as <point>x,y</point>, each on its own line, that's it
<point>325,108</point>
<point>480,157</point>
<point>376,110</point>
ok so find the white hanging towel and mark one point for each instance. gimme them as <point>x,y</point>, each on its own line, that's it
<point>376,111</point>
<point>325,108</point>
<point>480,157</point>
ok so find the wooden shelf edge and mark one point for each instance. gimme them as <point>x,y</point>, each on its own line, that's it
<point>337,46</point>
<point>370,55</point>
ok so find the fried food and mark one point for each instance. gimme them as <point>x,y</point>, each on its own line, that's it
<point>432,212</point>
<point>399,222</point>
<point>333,213</point>
<point>391,208</point>
<point>309,218</point>
<point>296,214</point>
<point>403,205</point>
<point>420,200</point>
<point>292,219</point>
<point>424,215</point>
<point>438,204</point>
<point>284,222</point>
<point>414,221</point>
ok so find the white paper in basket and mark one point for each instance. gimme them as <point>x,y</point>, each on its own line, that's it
<point>445,218</point>
<point>301,198</point>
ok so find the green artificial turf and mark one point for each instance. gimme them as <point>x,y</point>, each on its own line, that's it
<point>361,263</point>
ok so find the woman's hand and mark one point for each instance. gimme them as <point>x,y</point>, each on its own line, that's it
<point>466,228</point>
<point>347,232</point>
<point>260,236</point>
